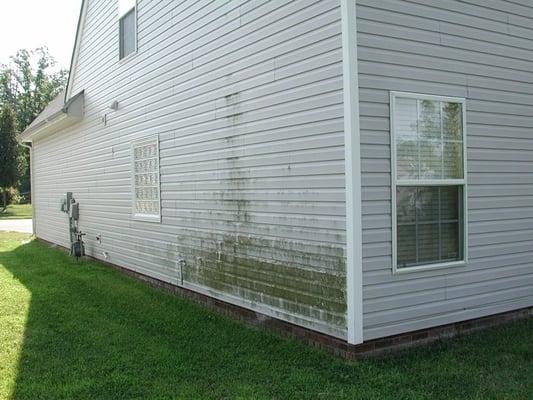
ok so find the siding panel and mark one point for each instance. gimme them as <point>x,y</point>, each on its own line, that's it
<point>246,97</point>
<point>481,51</point>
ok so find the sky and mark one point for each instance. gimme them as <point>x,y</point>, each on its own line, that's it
<point>28,24</point>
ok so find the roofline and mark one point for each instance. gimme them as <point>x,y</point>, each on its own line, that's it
<point>65,114</point>
<point>75,50</point>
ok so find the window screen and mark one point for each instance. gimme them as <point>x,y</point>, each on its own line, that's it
<point>146,189</point>
<point>428,180</point>
<point>127,34</point>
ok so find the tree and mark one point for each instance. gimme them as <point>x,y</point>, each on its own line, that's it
<point>27,85</point>
<point>9,153</point>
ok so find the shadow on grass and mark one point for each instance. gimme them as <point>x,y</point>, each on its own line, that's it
<point>92,332</point>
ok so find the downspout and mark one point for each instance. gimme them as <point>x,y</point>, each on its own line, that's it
<point>32,187</point>
<point>352,144</point>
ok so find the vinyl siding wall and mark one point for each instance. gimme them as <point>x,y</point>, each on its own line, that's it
<point>482,51</point>
<point>246,97</point>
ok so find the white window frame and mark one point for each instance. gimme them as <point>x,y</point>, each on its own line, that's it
<point>427,182</point>
<point>152,139</point>
<point>122,11</point>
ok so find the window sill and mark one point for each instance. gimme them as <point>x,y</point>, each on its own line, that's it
<point>429,267</point>
<point>130,56</point>
<point>147,218</point>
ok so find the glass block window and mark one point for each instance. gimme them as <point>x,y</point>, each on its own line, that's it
<point>127,28</point>
<point>146,188</point>
<point>429,185</point>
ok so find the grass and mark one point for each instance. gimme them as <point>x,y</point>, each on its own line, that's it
<point>16,211</point>
<point>84,331</point>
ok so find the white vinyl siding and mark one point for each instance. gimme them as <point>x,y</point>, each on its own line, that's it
<point>246,98</point>
<point>145,179</point>
<point>428,181</point>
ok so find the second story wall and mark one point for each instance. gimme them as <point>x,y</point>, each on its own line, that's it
<point>481,51</point>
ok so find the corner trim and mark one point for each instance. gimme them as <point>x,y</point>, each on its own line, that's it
<point>352,140</point>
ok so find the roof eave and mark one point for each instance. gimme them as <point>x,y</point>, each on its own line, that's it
<point>71,113</point>
<point>52,124</point>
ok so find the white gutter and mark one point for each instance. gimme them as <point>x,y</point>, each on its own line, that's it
<point>43,127</point>
<point>352,144</point>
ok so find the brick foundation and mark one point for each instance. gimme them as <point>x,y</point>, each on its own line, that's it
<point>372,348</point>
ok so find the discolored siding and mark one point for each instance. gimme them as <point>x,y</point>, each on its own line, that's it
<point>482,51</point>
<point>246,97</point>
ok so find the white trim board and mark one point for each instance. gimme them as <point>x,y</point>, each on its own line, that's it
<point>352,144</point>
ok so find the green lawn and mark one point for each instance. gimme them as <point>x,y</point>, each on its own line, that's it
<point>84,331</point>
<point>16,211</point>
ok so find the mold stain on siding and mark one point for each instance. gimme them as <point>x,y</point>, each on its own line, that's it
<point>270,272</point>
<point>305,280</point>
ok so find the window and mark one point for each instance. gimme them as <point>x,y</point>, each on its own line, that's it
<point>428,181</point>
<point>127,28</point>
<point>146,188</point>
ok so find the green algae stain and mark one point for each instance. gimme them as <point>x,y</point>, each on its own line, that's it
<point>228,263</point>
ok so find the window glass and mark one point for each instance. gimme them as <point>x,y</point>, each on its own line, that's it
<point>429,139</point>
<point>127,34</point>
<point>429,182</point>
<point>452,120</point>
<point>452,162</point>
<point>429,119</point>
<point>146,178</point>
<point>429,224</point>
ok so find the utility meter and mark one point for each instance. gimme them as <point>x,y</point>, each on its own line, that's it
<point>66,200</point>
<point>64,204</point>
<point>74,211</point>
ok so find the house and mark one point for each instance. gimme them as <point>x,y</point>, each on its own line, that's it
<point>358,168</point>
